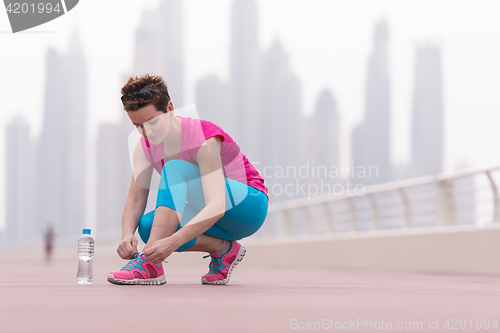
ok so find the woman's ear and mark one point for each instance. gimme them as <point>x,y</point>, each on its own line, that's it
<point>170,106</point>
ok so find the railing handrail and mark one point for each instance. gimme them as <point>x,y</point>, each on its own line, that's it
<point>379,188</point>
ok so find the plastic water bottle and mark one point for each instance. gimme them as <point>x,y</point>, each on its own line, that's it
<point>85,256</point>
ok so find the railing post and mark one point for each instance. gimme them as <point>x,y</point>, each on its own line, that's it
<point>264,231</point>
<point>445,203</point>
<point>288,222</point>
<point>330,223</point>
<point>354,217</point>
<point>376,213</point>
<point>404,197</point>
<point>309,220</point>
<point>270,224</point>
<point>496,198</point>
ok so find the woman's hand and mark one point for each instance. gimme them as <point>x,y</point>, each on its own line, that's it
<point>128,247</point>
<point>161,250</point>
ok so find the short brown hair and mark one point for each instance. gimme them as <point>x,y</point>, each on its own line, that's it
<point>152,81</point>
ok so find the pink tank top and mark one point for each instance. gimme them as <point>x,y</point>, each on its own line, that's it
<point>235,164</point>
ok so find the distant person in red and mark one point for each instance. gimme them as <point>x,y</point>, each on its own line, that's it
<point>49,242</point>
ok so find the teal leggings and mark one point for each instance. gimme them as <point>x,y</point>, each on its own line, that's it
<point>180,189</point>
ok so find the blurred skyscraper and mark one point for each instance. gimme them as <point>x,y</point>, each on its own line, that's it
<point>326,133</point>
<point>278,142</point>
<point>160,47</point>
<point>61,147</point>
<point>427,120</point>
<point>370,139</point>
<point>114,172</point>
<point>261,108</point>
<point>76,80</point>
<point>212,102</point>
<point>52,150</point>
<point>244,76</point>
<point>19,186</point>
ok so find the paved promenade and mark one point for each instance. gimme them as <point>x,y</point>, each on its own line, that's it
<point>40,298</point>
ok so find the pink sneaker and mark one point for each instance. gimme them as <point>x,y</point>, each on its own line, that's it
<point>139,271</point>
<point>221,267</point>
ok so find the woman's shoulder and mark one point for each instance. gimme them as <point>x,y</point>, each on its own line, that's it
<point>211,129</point>
<point>188,121</point>
<point>139,155</point>
<point>142,168</point>
<point>196,129</point>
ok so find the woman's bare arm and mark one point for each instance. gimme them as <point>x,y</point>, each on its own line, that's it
<point>213,184</point>
<point>135,204</point>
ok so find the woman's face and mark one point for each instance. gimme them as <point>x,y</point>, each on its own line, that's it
<point>152,124</point>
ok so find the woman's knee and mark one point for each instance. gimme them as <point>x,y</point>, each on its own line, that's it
<point>145,225</point>
<point>187,245</point>
<point>176,165</point>
<point>175,179</point>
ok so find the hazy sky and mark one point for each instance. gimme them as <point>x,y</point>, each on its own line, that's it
<point>328,43</point>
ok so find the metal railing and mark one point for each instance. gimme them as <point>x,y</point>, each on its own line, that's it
<point>467,197</point>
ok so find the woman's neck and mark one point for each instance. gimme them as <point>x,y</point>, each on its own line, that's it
<point>174,138</point>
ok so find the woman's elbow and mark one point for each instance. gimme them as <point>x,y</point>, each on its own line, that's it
<point>222,210</point>
<point>219,209</point>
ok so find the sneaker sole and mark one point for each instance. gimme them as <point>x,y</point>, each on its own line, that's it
<point>156,281</point>
<point>239,257</point>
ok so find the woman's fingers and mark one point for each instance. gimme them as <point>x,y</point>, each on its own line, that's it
<point>148,252</point>
<point>126,251</point>
<point>129,249</point>
<point>151,254</point>
<point>120,251</point>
